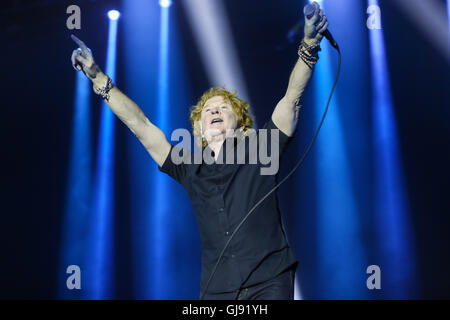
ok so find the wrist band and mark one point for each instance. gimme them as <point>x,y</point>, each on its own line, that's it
<point>309,53</point>
<point>104,91</point>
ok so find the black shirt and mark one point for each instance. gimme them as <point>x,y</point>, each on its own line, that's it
<point>221,195</point>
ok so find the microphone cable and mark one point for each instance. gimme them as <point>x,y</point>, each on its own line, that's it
<point>284,179</point>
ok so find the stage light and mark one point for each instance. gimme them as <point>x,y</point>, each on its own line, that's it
<point>113,14</point>
<point>100,278</point>
<point>429,16</point>
<point>340,248</point>
<point>448,16</point>
<point>78,192</point>
<point>214,38</point>
<point>160,201</point>
<point>156,77</point>
<point>88,226</point>
<point>390,193</point>
<point>165,3</point>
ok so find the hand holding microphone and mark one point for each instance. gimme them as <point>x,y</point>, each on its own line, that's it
<point>316,24</point>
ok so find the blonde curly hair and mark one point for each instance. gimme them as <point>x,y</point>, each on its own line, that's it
<point>240,107</point>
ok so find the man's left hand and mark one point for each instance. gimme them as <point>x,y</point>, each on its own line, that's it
<point>315,26</point>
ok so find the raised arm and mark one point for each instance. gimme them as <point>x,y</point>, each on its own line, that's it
<point>285,115</point>
<point>151,137</point>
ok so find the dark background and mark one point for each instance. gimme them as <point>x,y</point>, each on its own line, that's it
<point>37,92</point>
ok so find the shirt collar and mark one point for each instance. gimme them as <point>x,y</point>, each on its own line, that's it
<point>232,141</point>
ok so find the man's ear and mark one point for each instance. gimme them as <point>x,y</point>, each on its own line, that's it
<point>198,125</point>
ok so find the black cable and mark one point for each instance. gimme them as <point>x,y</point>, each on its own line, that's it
<point>282,181</point>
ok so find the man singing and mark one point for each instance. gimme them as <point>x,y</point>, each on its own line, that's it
<point>258,263</point>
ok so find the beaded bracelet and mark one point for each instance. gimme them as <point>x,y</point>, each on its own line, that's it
<point>309,53</point>
<point>104,92</point>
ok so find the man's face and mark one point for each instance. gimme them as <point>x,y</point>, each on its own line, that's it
<point>217,117</point>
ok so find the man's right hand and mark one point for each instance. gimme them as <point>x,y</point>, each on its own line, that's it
<point>82,59</point>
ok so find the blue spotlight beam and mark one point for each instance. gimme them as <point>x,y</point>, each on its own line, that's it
<point>78,204</point>
<point>340,251</point>
<point>160,226</point>
<point>102,274</point>
<point>141,58</point>
<point>161,232</point>
<point>341,255</point>
<point>448,17</point>
<point>395,240</point>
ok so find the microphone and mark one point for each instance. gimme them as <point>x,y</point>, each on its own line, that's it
<point>309,10</point>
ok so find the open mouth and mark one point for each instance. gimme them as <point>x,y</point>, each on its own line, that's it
<point>216,120</point>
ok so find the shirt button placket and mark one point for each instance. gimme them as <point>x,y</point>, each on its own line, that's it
<point>222,214</point>
<point>223,219</point>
